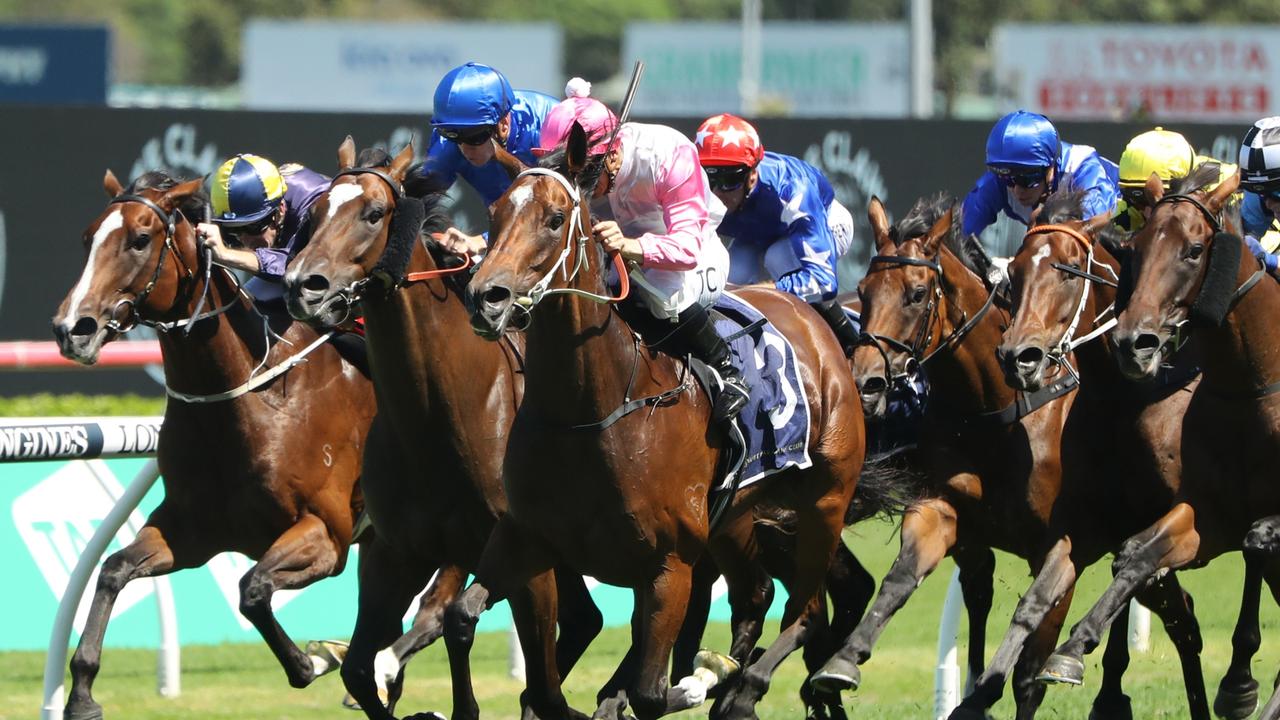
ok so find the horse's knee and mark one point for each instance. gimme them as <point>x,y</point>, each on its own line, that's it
<point>255,593</point>
<point>1263,538</point>
<point>649,702</point>
<point>116,572</point>
<point>460,619</point>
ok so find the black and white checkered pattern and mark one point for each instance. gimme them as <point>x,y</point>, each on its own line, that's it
<point>1260,152</point>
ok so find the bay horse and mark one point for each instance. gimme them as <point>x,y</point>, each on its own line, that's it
<point>446,398</point>
<point>1188,275</point>
<point>627,502</point>
<point>271,473</point>
<point>1120,447</point>
<point>992,458</point>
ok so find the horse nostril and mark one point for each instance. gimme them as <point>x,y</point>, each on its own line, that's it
<point>496,295</point>
<point>872,386</point>
<point>1030,356</point>
<point>1146,342</point>
<point>85,326</point>
<point>315,283</point>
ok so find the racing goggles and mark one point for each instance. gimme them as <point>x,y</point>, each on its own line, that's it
<point>251,230</point>
<point>1029,178</point>
<point>1135,196</point>
<point>1266,190</point>
<point>727,178</point>
<point>468,135</point>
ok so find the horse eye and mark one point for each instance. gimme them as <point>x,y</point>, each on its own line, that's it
<point>141,241</point>
<point>1195,251</point>
<point>556,221</point>
<point>375,216</point>
<point>918,295</point>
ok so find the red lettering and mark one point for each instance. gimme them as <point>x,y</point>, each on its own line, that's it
<point>1255,59</point>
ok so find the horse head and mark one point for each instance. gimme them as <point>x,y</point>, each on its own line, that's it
<point>350,235</point>
<point>903,303</point>
<point>1051,277</point>
<point>1184,268</point>
<point>128,274</point>
<point>538,229</point>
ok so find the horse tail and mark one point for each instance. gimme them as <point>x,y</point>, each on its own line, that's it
<point>887,486</point>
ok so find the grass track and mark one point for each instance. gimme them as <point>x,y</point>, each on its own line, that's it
<point>243,681</point>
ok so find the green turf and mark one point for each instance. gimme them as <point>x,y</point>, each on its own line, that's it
<point>74,405</point>
<point>243,681</point>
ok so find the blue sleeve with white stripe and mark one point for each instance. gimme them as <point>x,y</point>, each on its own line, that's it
<point>806,218</point>
<point>983,204</point>
<point>1099,179</point>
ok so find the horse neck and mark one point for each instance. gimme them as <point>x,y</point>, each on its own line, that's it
<point>420,337</point>
<point>580,355</point>
<point>219,352</point>
<point>967,378</point>
<point>1241,356</point>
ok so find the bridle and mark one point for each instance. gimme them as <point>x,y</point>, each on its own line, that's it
<point>1068,342</point>
<point>923,336</point>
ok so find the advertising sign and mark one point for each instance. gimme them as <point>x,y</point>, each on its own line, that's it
<point>344,65</point>
<point>52,65</point>
<point>1159,72</point>
<point>807,69</point>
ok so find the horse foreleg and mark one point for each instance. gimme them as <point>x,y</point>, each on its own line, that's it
<point>850,587</point>
<point>305,553</point>
<point>427,627</point>
<point>977,574</point>
<point>1111,703</point>
<point>928,533</point>
<point>1027,693</point>
<point>511,558</point>
<point>580,619</point>
<point>1174,606</point>
<point>388,582</point>
<point>665,601</point>
<point>1169,544</point>
<point>1056,577</point>
<point>534,609</point>
<point>1238,692</point>
<point>147,556</point>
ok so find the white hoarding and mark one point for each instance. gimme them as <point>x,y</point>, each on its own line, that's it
<point>343,65</point>
<point>1159,72</point>
<point>807,70</point>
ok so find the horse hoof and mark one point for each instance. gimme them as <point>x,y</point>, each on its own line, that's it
<point>1112,708</point>
<point>837,675</point>
<point>429,715</point>
<point>720,665</point>
<point>351,703</point>
<point>966,713</point>
<point>1236,702</point>
<point>325,655</point>
<point>83,711</point>
<point>1062,669</point>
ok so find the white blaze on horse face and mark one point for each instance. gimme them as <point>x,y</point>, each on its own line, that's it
<point>520,196</point>
<point>340,194</point>
<point>109,224</point>
<point>1041,254</point>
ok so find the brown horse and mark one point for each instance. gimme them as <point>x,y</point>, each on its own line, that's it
<point>1188,273</point>
<point>433,460</point>
<point>270,474</point>
<point>1120,446</point>
<point>994,468</point>
<point>628,502</point>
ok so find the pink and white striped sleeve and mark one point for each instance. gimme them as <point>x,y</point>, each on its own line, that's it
<point>682,190</point>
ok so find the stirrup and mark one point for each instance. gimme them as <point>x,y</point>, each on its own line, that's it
<point>734,395</point>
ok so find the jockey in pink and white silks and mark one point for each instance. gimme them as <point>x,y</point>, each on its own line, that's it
<point>653,205</point>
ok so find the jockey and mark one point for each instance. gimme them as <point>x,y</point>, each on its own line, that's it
<point>782,216</point>
<point>1169,156</point>
<point>1260,178</point>
<point>653,206</point>
<point>260,218</point>
<point>1025,163</point>
<point>475,111</point>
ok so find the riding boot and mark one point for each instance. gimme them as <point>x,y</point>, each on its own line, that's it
<point>697,335</point>
<point>838,319</point>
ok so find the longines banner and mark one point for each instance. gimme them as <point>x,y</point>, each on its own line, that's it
<point>51,184</point>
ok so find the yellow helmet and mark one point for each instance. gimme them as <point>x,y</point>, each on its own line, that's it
<point>1163,152</point>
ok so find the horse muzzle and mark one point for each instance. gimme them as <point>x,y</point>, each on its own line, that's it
<point>874,391</point>
<point>83,340</point>
<point>1139,353</point>
<point>313,298</point>
<point>1023,365</point>
<point>491,310</point>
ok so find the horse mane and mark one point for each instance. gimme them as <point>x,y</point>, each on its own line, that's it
<point>922,216</point>
<point>586,180</point>
<point>193,208</point>
<point>1200,177</point>
<point>1062,205</point>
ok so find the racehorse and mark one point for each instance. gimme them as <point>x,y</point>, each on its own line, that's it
<point>627,502</point>
<point>992,457</point>
<point>269,472</point>
<point>1188,275</point>
<point>433,460</point>
<point>1120,447</point>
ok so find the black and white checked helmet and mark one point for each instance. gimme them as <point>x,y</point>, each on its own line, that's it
<point>1260,155</point>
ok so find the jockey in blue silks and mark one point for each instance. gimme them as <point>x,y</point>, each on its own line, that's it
<point>1026,161</point>
<point>475,111</point>
<point>782,216</point>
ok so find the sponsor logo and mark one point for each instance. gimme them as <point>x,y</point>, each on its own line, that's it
<point>49,441</point>
<point>177,152</point>
<point>23,65</point>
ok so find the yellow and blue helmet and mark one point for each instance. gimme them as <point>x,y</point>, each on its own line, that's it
<point>245,189</point>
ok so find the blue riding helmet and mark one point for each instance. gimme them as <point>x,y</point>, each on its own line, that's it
<point>471,95</point>
<point>1023,139</point>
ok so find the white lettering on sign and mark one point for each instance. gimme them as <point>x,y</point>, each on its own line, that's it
<point>177,152</point>
<point>23,65</point>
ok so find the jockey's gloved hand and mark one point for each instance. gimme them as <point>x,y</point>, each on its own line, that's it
<point>1272,262</point>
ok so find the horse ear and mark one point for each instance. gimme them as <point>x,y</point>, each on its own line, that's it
<point>576,149</point>
<point>1221,194</point>
<point>111,184</point>
<point>347,154</point>
<point>1155,189</point>
<point>178,193</point>
<point>1094,224</point>
<point>932,239</point>
<point>401,162</point>
<point>512,164</point>
<point>879,225</point>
